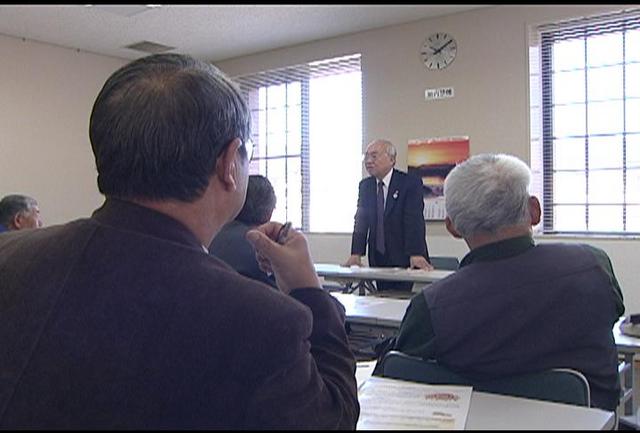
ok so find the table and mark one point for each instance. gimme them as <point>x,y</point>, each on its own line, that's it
<point>373,310</point>
<point>364,276</point>
<point>626,344</point>
<point>628,347</point>
<point>370,319</point>
<point>501,412</point>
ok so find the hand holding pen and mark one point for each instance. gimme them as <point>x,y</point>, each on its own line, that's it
<point>284,251</point>
<point>281,238</point>
<point>283,233</point>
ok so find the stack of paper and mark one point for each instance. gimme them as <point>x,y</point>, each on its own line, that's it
<point>389,404</point>
<point>364,370</point>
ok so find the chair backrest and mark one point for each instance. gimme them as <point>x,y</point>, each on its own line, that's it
<point>561,385</point>
<point>444,262</point>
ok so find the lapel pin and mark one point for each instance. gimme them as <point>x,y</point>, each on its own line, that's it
<point>395,195</point>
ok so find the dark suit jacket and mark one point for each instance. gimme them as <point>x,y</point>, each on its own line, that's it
<point>404,227</point>
<point>231,246</point>
<point>123,321</point>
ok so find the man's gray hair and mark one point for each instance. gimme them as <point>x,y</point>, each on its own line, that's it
<point>11,205</point>
<point>388,147</point>
<point>487,192</point>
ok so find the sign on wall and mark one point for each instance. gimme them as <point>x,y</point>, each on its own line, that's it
<point>431,159</point>
<point>439,93</point>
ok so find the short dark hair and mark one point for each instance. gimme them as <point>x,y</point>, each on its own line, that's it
<point>159,124</point>
<point>260,201</point>
<point>13,204</point>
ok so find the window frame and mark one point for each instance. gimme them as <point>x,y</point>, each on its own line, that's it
<point>542,107</point>
<point>302,73</point>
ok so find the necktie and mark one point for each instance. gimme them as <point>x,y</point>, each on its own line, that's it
<point>380,219</point>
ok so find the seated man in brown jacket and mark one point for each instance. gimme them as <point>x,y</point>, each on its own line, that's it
<point>124,321</point>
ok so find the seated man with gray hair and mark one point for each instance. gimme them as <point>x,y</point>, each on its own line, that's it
<point>515,307</point>
<point>19,212</point>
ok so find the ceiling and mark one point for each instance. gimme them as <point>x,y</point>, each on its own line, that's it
<point>208,32</point>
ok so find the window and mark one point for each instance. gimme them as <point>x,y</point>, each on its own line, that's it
<point>585,124</point>
<point>307,128</point>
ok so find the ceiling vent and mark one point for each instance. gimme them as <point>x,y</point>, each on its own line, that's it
<point>149,47</point>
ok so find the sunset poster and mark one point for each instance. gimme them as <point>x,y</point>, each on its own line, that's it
<point>431,159</point>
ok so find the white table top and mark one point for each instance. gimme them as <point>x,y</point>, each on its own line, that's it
<point>329,270</point>
<point>373,310</point>
<point>625,343</point>
<point>501,412</point>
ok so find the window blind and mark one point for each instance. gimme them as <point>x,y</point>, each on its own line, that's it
<point>585,124</point>
<point>290,108</point>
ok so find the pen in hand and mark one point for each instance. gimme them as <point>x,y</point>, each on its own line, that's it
<point>283,232</point>
<point>281,237</point>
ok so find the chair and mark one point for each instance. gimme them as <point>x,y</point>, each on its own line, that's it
<point>626,422</point>
<point>560,385</point>
<point>445,263</point>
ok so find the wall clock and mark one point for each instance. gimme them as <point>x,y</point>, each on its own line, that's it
<point>439,50</point>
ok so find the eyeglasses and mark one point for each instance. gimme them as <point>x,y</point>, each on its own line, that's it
<point>249,148</point>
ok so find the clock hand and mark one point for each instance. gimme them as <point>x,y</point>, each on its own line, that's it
<point>442,47</point>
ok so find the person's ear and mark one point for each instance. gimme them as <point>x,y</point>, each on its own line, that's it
<point>18,221</point>
<point>534,210</point>
<point>226,165</point>
<point>451,229</point>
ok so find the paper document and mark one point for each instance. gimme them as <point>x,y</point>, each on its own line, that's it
<point>389,404</point>
<point>364,370</point>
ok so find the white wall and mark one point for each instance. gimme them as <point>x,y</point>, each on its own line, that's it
<point>46,95</point>
<point>490,78</point>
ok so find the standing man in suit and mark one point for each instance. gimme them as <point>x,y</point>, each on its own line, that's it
<point>389,218</point>
<point>123,321</point>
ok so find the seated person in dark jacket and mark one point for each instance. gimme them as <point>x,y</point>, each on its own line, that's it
<point>515,307</point>
<point>231,245</point>
<point>123,321</point>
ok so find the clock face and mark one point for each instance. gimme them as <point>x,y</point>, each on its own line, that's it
<point>439,50</point>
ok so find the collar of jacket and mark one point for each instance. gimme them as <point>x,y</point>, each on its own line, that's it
<point>498,250</point>
<point>125,215</point>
